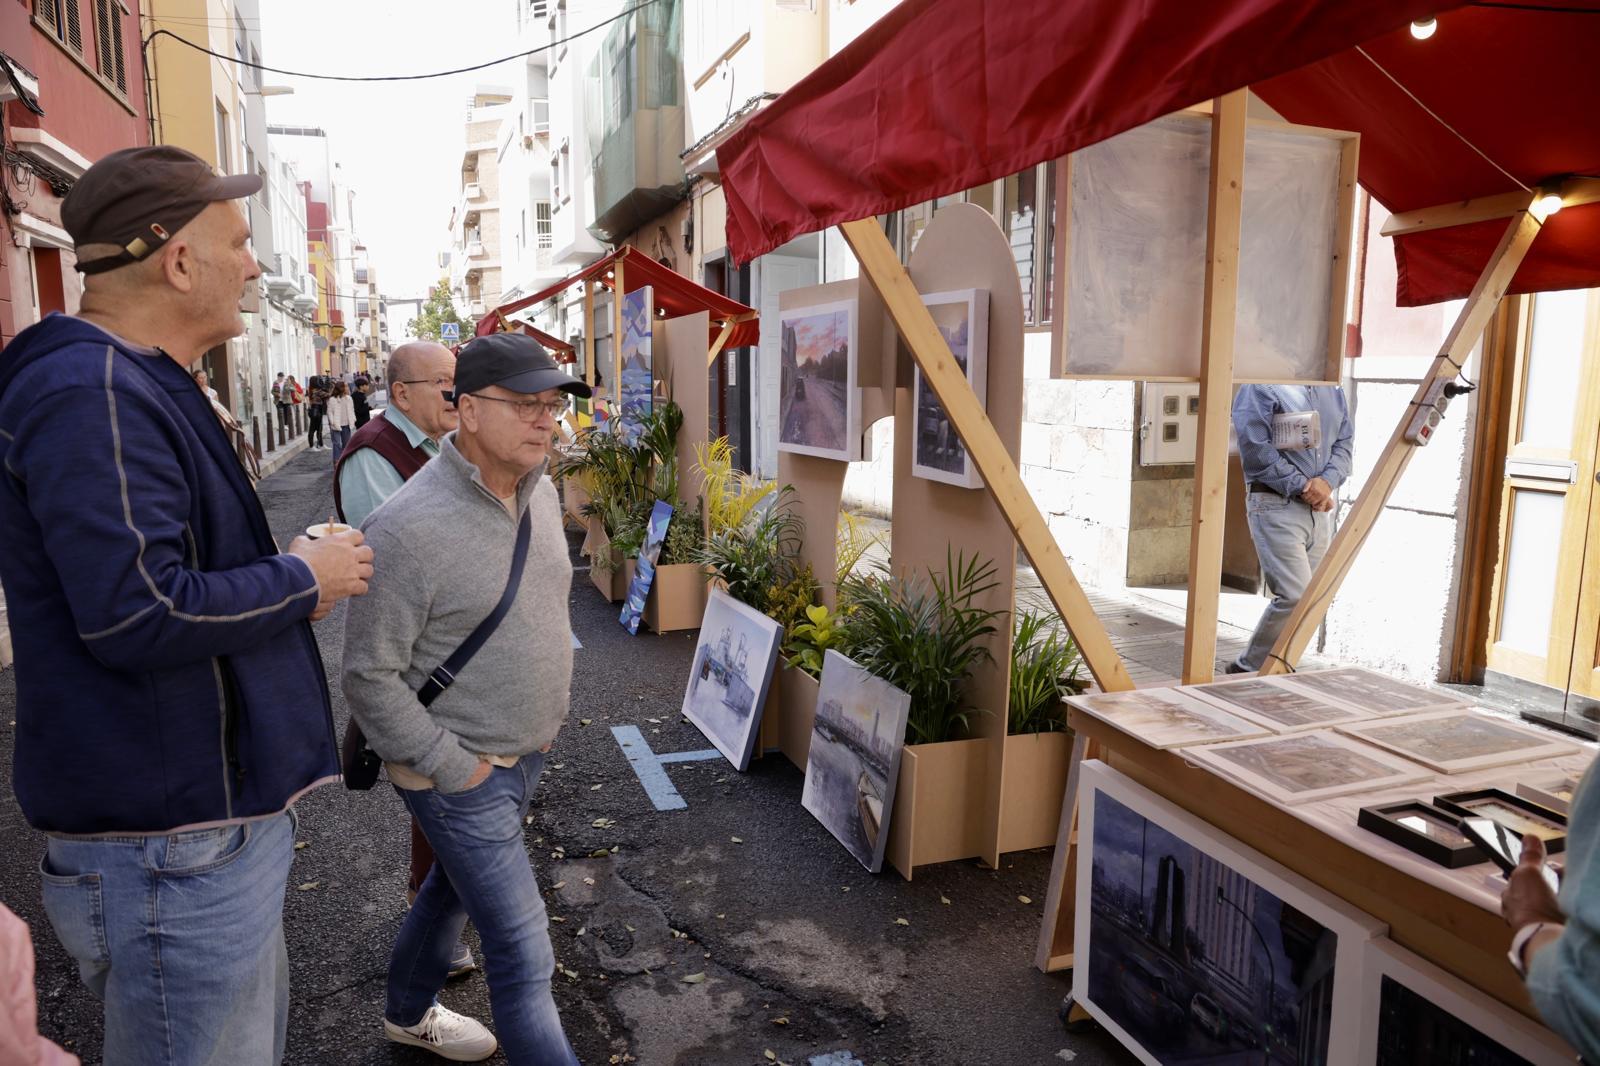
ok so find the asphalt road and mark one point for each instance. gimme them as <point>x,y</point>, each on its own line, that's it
<point>799,946</point>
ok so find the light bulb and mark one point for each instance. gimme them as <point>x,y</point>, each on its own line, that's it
<point>1422,29</point>
<point>1546,205</point>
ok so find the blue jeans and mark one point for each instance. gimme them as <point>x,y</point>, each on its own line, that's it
<point>181,936</point>
<point>1290,540</point>
<point>482,871</point>
<point>341,440</point>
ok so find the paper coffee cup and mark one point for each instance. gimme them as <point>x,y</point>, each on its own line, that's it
<point>327,529</point>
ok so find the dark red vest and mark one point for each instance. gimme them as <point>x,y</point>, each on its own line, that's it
<point>389,441</point>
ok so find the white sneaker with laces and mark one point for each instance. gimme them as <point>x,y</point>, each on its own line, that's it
<point>447,1034</point>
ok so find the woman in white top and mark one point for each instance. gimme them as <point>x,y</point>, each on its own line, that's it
<point>341,417</point>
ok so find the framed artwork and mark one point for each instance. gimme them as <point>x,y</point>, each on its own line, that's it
<point>1512,812</point>
<point>1166,717</point>
<point>1303,767</point>
<point>1267,701</point>
<point>937,453</point>
<point>1136,253</point>
<point>1191,947</point>
<point>638,381</point>
<point>1413,1012</point>
<point>854,759</point>
<point>731,672</point>
<point>1424,829</point>
<point>1458,741</point>
<point>819,402</point>
<point>1371,692</point>
<point>1552,792</point>
<point>644,573</point>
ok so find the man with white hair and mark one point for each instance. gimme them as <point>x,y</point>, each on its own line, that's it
<point>171,702</point>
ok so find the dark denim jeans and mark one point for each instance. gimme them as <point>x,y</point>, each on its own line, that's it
<point>182,937</point>
<point>482,871</point>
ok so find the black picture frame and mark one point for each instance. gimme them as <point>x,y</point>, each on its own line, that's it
<point>1385,821</point>
<point>1461,804</point>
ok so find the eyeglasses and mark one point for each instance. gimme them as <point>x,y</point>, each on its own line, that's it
<point>528,410</point>
<point>442,384</point>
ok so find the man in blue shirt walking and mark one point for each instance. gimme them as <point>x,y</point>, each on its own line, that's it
<point>1291,493</point>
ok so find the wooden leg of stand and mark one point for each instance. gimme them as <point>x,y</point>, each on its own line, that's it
<point>1055,935</point>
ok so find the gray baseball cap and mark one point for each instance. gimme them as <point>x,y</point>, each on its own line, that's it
<point>513,361</point>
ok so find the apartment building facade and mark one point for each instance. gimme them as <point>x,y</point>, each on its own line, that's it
<point>291,288</point>
<point>71,91</point>
<point>475,231</point>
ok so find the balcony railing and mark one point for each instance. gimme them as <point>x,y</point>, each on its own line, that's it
<point>636,147</point>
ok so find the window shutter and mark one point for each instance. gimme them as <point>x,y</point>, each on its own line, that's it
<point>102,38</point>
<point>74,25</point>
<point>48,13</point>
<point>116,45</point>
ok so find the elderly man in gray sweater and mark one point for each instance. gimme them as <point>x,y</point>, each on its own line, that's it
<point>466,763</point>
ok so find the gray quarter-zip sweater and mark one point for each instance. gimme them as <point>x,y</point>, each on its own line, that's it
<point>442,549</point>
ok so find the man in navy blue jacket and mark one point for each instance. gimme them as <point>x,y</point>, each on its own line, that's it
<point>172,704</point>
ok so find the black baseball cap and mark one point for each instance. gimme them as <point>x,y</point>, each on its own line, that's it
<point>513,361</point>
<point>131,202</point>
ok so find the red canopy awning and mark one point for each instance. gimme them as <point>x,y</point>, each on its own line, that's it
<point>940,96</point>
<point>562,350</point>
<point>674,293</point>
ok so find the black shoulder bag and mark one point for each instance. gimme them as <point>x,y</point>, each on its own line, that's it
<point>361,764</point>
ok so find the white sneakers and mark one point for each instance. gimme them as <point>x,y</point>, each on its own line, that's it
<point>447,1034</point>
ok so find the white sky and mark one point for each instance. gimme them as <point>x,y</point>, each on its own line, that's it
<point>399,143</point>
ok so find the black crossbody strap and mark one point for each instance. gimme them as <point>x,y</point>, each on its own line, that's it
<point>443,675</point>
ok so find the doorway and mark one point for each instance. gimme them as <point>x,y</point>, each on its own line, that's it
<point>1544,615</point>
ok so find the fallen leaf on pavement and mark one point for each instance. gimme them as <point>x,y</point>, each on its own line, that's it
<point>693,978</point>
<point>559,884</point>
<point>603,823</point>
<point>771,1057</point>
<point>630,928</point>
<point>945,900</point>
<point>299,845</point>
<point>736,840</point>
<point>901,921</point>
<point>588,880</point>
<point>586,721</point>
<point>581,930</point>
<point>555,918</point>
<point>653,721</point>
<point>1024,899</point>
<point>780,1021</point>
<point>596,788</point>
<point>309,885</point>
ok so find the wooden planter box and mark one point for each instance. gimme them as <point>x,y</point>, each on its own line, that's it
<point>790,714</point>
<point>939,804</point>
<point>1030,797</point>
<point>677,599</point>
<point>613,582</point>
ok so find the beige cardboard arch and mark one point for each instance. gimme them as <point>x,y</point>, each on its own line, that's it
<point>962,249</point>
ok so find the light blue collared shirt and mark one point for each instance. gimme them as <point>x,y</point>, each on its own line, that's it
<point>1287,472</point>
<point>1561,978</point>
<point>366,479</point>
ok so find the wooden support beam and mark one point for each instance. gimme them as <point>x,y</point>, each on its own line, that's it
<point>588,331</point>
<point>949,383</point>
<point>718,344</point>
<point>616,336</point>
<point>1225,211</point>
<point>1575,192</point>
<point>1357,526</point>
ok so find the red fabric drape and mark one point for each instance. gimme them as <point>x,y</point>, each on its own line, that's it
<point>942,95</point>
<point>674,293</point>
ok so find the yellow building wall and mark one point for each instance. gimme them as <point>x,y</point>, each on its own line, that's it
<point>189,84</point>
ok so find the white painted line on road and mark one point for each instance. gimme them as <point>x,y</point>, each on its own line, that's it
<point>651,770</point>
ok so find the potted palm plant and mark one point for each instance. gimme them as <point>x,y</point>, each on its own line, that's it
<point>1045,668</point>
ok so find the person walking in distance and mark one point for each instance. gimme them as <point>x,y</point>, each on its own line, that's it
<point>358,398</point>
<point>382,456</point>
<point>171,702</point>
<point>341,418</point>
<point>204,382</point>
<point>279,401</point>
<point>473,540</point>
<point>316,407</point>
<point>1294,445</point>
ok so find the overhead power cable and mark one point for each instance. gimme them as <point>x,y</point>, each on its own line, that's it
<point>400,77</point>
